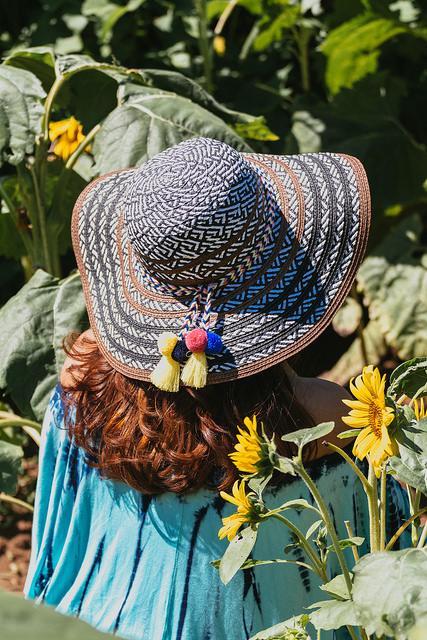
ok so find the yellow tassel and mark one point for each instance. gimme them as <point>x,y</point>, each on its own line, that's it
<point>195,372</point>
<point>166,374</point>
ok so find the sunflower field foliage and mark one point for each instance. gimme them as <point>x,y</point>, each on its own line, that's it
<point>90,86</point>
<point>380,593</point>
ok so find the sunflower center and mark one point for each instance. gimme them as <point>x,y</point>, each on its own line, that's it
<point>375,418</point>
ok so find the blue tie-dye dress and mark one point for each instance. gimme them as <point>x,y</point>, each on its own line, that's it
<point>140,566</point>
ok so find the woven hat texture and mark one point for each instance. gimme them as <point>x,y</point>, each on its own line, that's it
<point>276,239</point>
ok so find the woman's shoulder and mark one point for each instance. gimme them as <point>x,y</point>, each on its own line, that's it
<point>323,400</point>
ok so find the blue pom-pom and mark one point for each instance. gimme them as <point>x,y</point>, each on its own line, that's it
<point>214,344</point>
<point>180,352</point>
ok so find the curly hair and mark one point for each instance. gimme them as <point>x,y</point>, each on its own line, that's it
<point>157,441</point>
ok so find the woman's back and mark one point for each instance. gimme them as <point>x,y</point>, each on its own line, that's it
<point>141,565</point>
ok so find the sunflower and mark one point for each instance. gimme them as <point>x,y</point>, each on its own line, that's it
<point>246,512</point>
<point>370,414</point>
<point>419,409</point>
<point>248,452</point>
<point>66,135</point>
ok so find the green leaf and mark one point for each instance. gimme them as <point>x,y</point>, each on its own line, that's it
<point>291,629</point>
<point>350,433</point>
<point>38,60</point>
<point>348,317</point>
<point>345,543</point>
<point>337,587</point>
<point>393,609</point>
<point>333,614</point>
<point>394,285</point>
<point>304,436</point>
<point>108,14</point>
<point>352,49</point>
<point>33,324</point>
<point>237,552</point>
<point>20,618</point>
<point>21,108</point>
<point>274,31</point>
<point>255,130</point>
<point>313,528</point>
<point>299,504</point>
<point>177,83</point>
<point>151,121</point>
<point>352,361</point>
<point>284,465</point>
<point>408,378</point>
<point>411,466</point>
<point>10,465</point>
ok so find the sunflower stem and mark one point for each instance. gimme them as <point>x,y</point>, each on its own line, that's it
<point>414,505</point>
<point>319,568</point>
<point>402,528</point>
<point>4,497</point>
<point>423,536</point>
<point>328,522</point>
<point>350,533</point>
<point>383,508</point>
<point>374,523</point>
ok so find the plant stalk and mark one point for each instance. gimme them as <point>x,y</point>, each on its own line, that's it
<point>367,487</point>
<point>319,568</point>
<point>204,47</point>
<point>383,508</point>
<point>374,523</point>
<point>6,498</point>
<point>328,522</point>
<point>402,528</point>
<point>42,224</point>
<point>350,533</point>
<point>423,536</point>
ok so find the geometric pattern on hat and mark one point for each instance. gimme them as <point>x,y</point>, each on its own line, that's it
<point>278,238</point>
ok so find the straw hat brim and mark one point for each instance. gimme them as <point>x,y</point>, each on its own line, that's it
<point>275,309</point>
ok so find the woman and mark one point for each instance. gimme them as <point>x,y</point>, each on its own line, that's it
<point>203,270</point>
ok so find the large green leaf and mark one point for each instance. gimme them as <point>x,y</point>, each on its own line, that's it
<point>394,608</point>
<point>394,284</point>
<point>21,96</point>
<point>10,465</point>
<point>38,60</point>
<point>352,361</point>
<point>33,324</point>
<point>151,120</point>
<point>107,14</point>
<point>352,49</point>
<point>366,122</point>
<point>408,378</point>
<point>20,618</point>
<point>411,466</point>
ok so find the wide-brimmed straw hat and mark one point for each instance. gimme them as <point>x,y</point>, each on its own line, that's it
<point>234,261</point>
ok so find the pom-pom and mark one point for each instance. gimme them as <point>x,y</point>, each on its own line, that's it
<point>196,340</point>
<point>214,345</point>
<point>166,343</point>
<point>180,352</point>
<point>166,374</point>
<point>195,372</point>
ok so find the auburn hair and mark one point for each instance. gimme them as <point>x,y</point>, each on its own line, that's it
<point>157,441</point>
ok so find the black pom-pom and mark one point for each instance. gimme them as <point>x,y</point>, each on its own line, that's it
<point>180,352</point>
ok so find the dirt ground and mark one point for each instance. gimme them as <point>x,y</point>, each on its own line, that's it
<point>15,532</point>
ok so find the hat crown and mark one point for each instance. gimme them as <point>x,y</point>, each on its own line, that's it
<point>192,212</point>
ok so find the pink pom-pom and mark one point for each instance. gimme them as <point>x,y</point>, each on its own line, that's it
<point>196,340</point>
